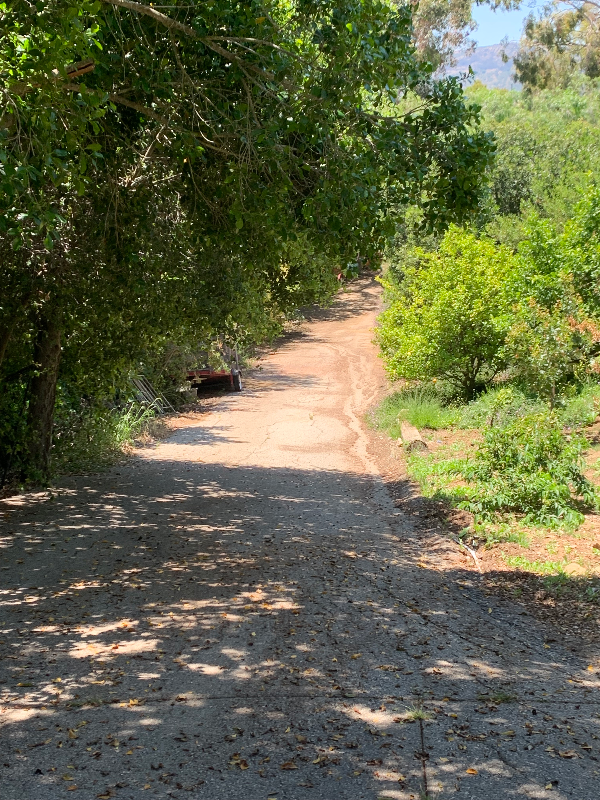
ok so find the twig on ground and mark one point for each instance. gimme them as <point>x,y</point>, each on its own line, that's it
<point>472,553</point>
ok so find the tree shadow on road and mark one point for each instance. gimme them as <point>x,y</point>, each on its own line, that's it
<point>229,632</point>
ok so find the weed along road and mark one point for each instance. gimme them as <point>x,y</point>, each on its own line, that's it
<point>241,613</point>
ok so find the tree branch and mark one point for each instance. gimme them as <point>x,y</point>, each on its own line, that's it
<point>165,20</point>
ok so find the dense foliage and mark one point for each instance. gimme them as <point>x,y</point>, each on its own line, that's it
<point>548,147</point>
<point>169,174</point>
<point>530,465</point>
<point>559,43</point>
<point>517,295</point>
<point>448,317</point>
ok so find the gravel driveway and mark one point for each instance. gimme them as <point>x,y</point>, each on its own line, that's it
<point>241,613</point>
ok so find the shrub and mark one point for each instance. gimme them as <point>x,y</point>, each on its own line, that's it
<point>530,466</point>
<point>93,438</point>
<point>500,406</point>
<point>546,348</point>
<point>582,408</point>
<point>449,316</point>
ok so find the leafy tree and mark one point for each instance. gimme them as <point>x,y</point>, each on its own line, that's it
<point>547,150</point>
<point>562,264</point>
<point>554,337</point>
<point>448,317</point>
<point>170,173</point>
<point>441,27</point>
<point>561,42</point>
<point>545,346</point>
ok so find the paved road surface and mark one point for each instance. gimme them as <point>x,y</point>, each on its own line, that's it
<point>242,614</point>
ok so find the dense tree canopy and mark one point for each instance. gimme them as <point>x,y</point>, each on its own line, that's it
<point>562,41</point>
<point>170,173</point>
<point>547,153</point>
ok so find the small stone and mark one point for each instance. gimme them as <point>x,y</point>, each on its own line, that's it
<point>575,569</point>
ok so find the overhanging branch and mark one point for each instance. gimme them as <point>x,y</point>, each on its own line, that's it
<point>140,8</point>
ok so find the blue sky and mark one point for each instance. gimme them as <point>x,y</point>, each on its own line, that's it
<point>493,26</point>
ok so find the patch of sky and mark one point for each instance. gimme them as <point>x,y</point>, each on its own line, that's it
<point>494,26</point>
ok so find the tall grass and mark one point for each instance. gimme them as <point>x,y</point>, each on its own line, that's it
<point>426,407</point>
<point>422,407</point>
<point>498,406</point>
<point>583,408</point>
<point>95,438</point>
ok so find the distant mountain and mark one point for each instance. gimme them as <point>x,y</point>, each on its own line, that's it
<point>488,66</point>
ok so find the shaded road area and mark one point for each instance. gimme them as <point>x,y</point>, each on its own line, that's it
<point>241,613</point>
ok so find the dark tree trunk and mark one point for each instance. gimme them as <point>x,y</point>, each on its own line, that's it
<point>43,395</point>
<point>5,334</point>
<point>13,317</point>
<point>469,385</point>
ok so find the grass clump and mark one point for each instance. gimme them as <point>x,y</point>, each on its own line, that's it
<point>497,407</point>
<point>538,567</point>
<point>95,437</point>
<point>421,406</point>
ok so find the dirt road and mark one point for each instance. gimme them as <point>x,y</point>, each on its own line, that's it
<point>241,613</point>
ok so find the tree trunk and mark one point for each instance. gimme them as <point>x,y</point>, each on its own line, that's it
<point>10,323</point>
<point>5,334</point>
<point>43,396</point>
<point>468,386</point>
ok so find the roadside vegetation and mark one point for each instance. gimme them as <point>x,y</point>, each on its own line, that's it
<point>235,165</point>
<point>492,331</point>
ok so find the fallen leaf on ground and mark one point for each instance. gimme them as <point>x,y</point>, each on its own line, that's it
<point>568,754</point>
<point>471,771</point>
<point>289,765</point>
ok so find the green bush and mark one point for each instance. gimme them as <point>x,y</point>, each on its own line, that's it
<point>500,406</point>
<point>531,467</point>
<point>547,148</point>
<point>449,316</point>
<point>93,438</point>
<point>542,347</point>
